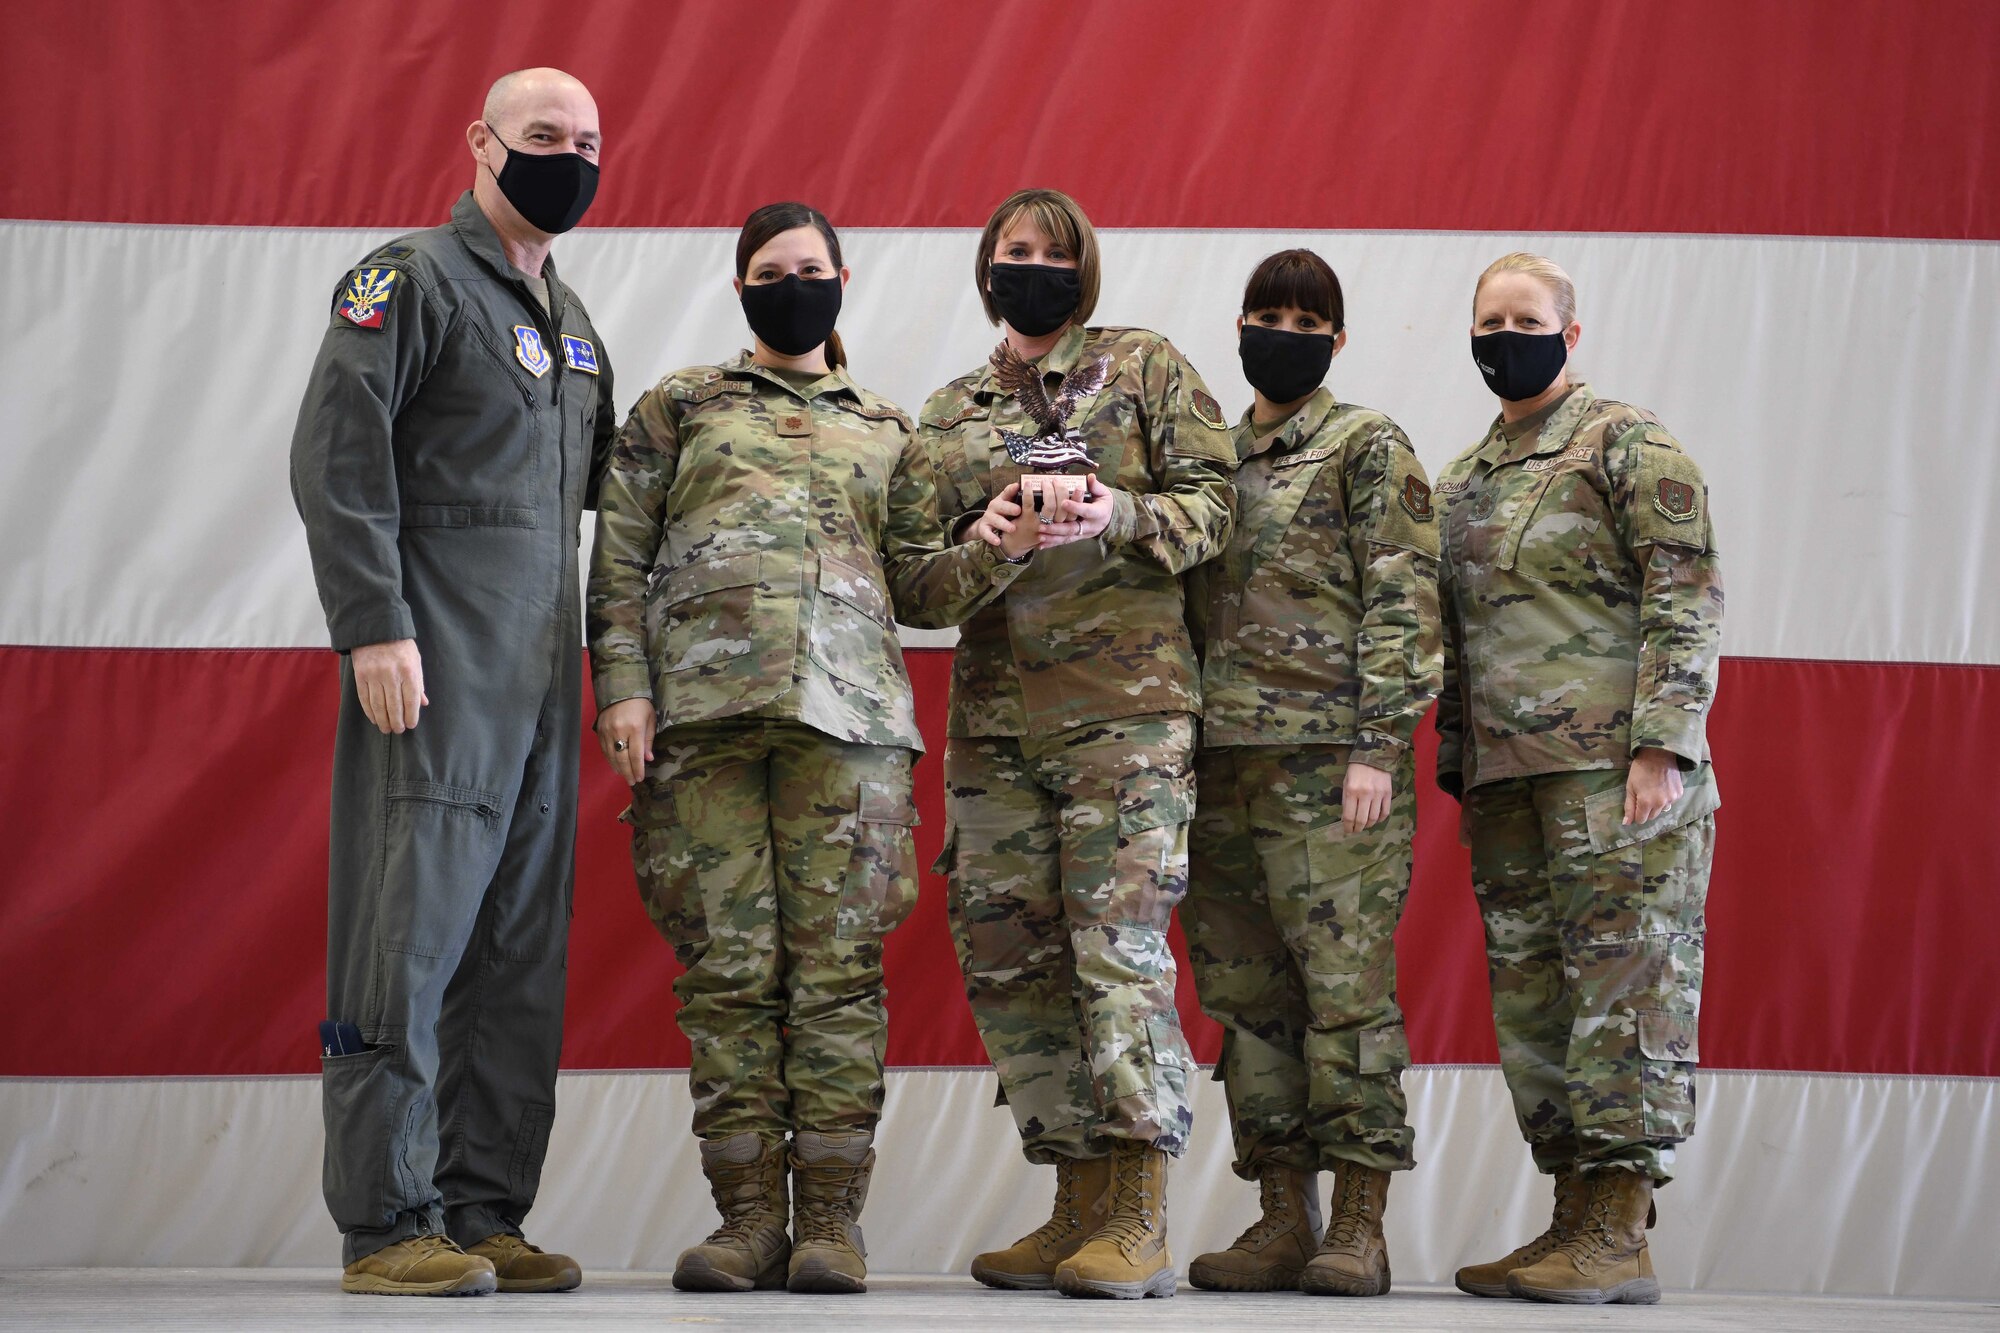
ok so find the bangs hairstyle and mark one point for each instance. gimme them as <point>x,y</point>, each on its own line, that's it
<point>774,220</point>
<point>1543,270</point>
<point>1297,278</point>
<point>1062,221</point>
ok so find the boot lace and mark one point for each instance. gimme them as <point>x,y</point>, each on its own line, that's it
<point>1066,1217</point>
<point>1276,1219</point>
<point>1349,1228</point>
<point>739,1197</point>
<point>1129,1225</point>
<point>826,1211</point>
<point>1593,1234</point>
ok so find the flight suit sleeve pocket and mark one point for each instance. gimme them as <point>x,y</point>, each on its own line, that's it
<point>1384,1050</point>
<point>881,887</point>
<point>1604,813</point>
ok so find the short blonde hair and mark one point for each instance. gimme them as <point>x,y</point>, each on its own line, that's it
<point>1061,220</point>
<point>1544,270</point>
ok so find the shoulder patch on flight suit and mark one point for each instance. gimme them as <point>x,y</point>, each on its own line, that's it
<point>579,354</point>
<point>365,303</point>
<point>1206,410</point>
<point>530,352</point>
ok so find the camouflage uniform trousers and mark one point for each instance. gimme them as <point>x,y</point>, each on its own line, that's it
<point>1066,856</point>
<point>1594,938</point>
<point>1291,926</point>
<point>774,858</point>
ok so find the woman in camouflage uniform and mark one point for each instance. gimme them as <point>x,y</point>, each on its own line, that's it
<point>1582,603</point>
<point>1067,768</point>
<point>1319,630</point>
<point>763,524</point>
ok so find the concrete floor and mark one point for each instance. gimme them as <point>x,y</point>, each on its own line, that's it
<point>61,1298</point>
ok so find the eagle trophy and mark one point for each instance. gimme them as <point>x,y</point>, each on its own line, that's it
<point>1058,444</point>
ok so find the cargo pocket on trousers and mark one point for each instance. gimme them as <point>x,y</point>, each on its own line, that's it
<point>361,1093</point>
<point>1665,865</point>
<point>1173,1070</point>
<point>1352,903</point>
<point>444,840</point>
<point>1384,1050</point>
<point>1150,875</point>
<point>1669,1040</point>
<point>881,887</point>
<point>663,863</point>
<point>531,1146</point>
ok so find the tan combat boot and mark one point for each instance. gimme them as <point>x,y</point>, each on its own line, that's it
<point>1083,1189</point>
<point>1127,1257</point>
<point>419,1266</point>
<point>1273,1252</point>
<point>1604,1261</point>
<point>1353,1260</point>
<point>524,1267</point>
<point>831,1170</point>
<point>746,1174</point>
<point>1490,1279</point>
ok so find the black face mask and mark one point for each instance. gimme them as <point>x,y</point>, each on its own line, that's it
<point>1035,299</point>
<point>1517,366</point>
<point>792,315</point>
<point>550,190</point>
<point>1282,365</point>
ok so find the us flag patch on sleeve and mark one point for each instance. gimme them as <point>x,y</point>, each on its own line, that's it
<point>365,303</point>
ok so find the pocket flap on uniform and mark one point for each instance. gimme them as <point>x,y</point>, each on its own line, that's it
<point>856,587</point>
<point>1153,800</point>
<point>886,803</point>
<point>1668,1034</point>
<point>731,571</point>
<point>1605,812</point>
<point>1164,1035</point>
<point>1384,1050</point>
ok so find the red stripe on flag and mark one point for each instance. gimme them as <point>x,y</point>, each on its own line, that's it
<point>163,909</point>
<point>1846,117</point>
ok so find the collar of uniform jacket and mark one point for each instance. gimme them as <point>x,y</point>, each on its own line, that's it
<point>469,220</point>
<point>1299,427</point>
<point>1059,361</point>
<point>1545,432</point>
<point>743,363</point>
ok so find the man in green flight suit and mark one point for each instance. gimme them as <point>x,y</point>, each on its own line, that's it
<point>447,445</point>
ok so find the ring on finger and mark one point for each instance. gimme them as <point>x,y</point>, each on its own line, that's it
<point>620,746</point>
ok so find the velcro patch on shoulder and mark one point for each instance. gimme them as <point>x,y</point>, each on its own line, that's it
<point>1416,497</point>
<point>1669,499</point>
<point>365,301</point>
<point>1206,410</point>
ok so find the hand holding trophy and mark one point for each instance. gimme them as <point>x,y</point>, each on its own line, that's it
<point>1048,455</point>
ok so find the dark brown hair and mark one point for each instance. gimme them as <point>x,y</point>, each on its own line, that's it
<point>772,221</point>
<point>1297,278</point>
<point>1062,221</point>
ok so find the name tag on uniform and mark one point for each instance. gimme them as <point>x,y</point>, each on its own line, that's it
<point>579,354</point>
<point>528,350</point>
<point>1580,454</point>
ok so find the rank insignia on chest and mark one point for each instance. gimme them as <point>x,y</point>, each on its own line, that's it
<point>529,351</point>
<point>1675,499</point>
<point>365,303</point>
<point>1417,499</point>
<point>579,354</point>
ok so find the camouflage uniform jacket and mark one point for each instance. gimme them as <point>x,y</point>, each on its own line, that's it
<point>1319,623</point>
<point>755,547</point>
<point>1582,596</point>
<point>1095,629</point>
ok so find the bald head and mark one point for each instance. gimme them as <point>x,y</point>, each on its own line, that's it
<point>523,91</point>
